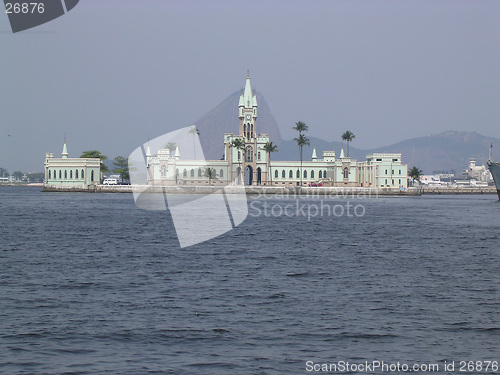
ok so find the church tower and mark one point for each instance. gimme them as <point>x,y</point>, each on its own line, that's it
<point>248,112</point>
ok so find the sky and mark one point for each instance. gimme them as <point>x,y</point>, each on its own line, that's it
<point>112,74</point>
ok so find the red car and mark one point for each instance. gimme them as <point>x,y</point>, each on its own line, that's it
<point>314,184</point>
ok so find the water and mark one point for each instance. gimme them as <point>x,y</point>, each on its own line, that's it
<point>89,284</point>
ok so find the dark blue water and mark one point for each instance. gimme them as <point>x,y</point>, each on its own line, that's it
<point>89,284</point>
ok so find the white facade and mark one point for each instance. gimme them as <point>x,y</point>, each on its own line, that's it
<point>252,166</point>
<point>78,173</point>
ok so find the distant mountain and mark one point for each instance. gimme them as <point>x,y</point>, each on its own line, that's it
<point>224,119</point>
<point>446,151</point>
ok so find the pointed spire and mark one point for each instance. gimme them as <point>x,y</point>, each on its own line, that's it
<point>314,157</point>
<point>65,149</point>
<point>248,99</point>
<point>148,151</point>
<point>342,153</point>
<point>177,153</point>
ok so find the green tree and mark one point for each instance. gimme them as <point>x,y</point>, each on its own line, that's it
<point>4,172</point>
<point>210,174</point>
<point>300,127</point>
<point>269,147</point>
<point>18,175</point>
<point>415,174</point>
<point>348,136</point>
<point>194,132</point>
<point>171,146</point>
<point>238,144</point>
<point>121,164</point>
<point>94,154</point>
<point>302,141</point>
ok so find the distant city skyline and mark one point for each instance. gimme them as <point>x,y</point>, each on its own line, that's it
<point>113,74</point>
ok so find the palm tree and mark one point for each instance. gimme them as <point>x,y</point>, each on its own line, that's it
<point>238,144</point>
<point>348,136</point>
<point>210,174</point>
<point>270,147</point>
<point>302,141</point>
<point>171,146</point>
<point>194,131</point>
<point>415,174</point>
<point>300,127</point>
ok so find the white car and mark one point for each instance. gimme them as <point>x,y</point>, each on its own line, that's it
<point>110,181</point>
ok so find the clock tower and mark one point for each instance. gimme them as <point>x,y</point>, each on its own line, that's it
<point>247,108</point>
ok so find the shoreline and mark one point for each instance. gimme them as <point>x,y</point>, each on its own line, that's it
<point>275,190</point>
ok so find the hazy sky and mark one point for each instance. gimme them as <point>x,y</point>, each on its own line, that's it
<point>111,74</point>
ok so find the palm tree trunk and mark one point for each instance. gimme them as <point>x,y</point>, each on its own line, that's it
<point>301,166</point>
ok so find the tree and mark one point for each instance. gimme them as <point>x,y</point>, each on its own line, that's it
<point>210,174</point>
<point>415,174</point>
<point>18,175</point>
<point>348,136</point>
<point>171,146</point>
<point>94,154</point>
<point>239,144</point>
<point>300,127</point>
<point>195,132</point>
<point>302,141</point>
<point>269,147</point>
<point>121,164</point>
<point>4,172</point>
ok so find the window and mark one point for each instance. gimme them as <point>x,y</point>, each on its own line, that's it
<point>386,181</point>
<point>199,172</point>
<point>71,174</point>
<point>177,172</point>
<point>386,171</point>
<point>394,160</point>
<point>249,154</point>
<point>346,173</point>
<point>83,175</point>
<point>393,171</point>
<point>312,174</point>
<point>276,173</point>
<point>283,174</point>
<point>324,173</point>
<point>305,174</point>
<point>92,176</point>
<point>400,181</point>
<point>290,175</point>
<point>393,182</point>
<point>320,174</point>
<point>49,174</point>
<point>379,159</point>
<point>400,171</point>
<point>298,173</point>
<point>221,173</point>
<point>76,174</point>
<point>184,173</point>
<point>258,155</point>
<point>192,172</point>
<point>239,155</point>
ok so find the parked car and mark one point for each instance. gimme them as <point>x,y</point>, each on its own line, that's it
<point>110,181</point>
<point>314,184</point>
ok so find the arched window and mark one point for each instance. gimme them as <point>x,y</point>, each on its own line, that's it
<point>283,174</point>
<point>76,174</point>
<point>249,154</point>
<point>386,181</point>
<point>71,174</point>
<point>258,155</point>
<point>305,174</point>
<point>386,171</point>
<point>244,128</point>
<point>276,173</point>
<point>83,174</point>
<point>324,173</point>
<point>290,174</point>
<point>312,174</point>
<point>346,173</point>
<point>239,155</point>
<point>92,176</point>
<point>221,173</point>
<point>184,173</point>
<point>199,172</point>
<point>400,181</point>
<point>298,173</point>
<point>400,171</point>
<point>320,174</point>
<point>65,174</point>
<point>163,171</point>
<point>60,174</point>
<point>49,174</point>
<point>192,172</point>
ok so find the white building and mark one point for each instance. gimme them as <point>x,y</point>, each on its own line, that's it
<point>251,165</point>
<point>77,173</point>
